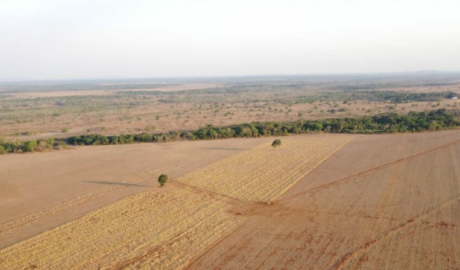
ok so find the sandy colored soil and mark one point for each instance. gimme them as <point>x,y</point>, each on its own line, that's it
<point>264,173</point>
<point>182,87</point>
<point>381,202</point>
<point>61,94</point>
<point>41,191</point>
<point>170,88</point>
<point>317,202</point>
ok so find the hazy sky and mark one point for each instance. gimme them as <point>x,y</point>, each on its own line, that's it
<point>64,39</point>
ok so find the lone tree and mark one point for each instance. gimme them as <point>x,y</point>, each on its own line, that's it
<point>163,179</point>
<point>276,143</point>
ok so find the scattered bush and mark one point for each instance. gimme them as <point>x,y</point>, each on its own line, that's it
<point>163,179</point>
<point>276,143</point>
<point>30,146</point>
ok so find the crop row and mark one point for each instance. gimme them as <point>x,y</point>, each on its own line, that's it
<point>264,173</point>
<point>154,228</point>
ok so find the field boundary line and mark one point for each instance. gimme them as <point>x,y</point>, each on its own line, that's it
<point>347,257</point>
<point>351,177</point>
<point>193,260</point>
<point>312,169</point>
<point>10,226</point>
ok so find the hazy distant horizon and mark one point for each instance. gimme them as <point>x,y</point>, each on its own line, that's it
<point>198,78</point>
<point>422,74</point>
<point>102,39</point>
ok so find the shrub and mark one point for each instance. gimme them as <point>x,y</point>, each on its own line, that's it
<point>276,143</point>
<point>60,145</point>
<point>30,146</point>
<point>163,179</point>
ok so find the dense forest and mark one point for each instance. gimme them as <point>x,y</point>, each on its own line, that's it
<point>385,123</point>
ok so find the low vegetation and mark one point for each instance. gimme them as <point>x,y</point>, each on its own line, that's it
<point>276,143</point>
<point>386,123</point>
<point>394,97</point>
<point>163,179</point>
<point>42,145</point>
<point>440,119</point>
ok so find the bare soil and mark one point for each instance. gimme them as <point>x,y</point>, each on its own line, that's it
<point>381,202</point>
<point>369,202</point>
<point>49,189</point>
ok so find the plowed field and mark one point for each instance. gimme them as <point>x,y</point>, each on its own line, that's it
<point>316,202</point>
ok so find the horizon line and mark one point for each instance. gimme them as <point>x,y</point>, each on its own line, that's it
<point>423,72</point>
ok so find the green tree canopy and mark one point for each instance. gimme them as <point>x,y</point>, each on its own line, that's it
<point>30,146</point>
<point>276,143</point>
<point>163,179</point>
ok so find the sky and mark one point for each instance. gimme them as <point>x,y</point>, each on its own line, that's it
<point>109,39</point>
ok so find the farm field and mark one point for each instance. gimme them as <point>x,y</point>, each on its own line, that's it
<point>181,220</point>
<point>381,202</point>
<point>316,202</point>
<point>229,135</point>
<point>41,191</point>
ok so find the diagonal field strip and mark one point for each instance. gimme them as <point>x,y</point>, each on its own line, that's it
<point>169,227</point>
<point>264,173</point>
<point>353,177</point>
<point>148,231</point>
<point>361,249</point>
<point>13,225</point>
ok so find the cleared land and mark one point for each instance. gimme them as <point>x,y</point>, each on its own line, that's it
<point>180,87</point>
<point>263,174</point>
<point>381,202</point>
<point>181,219</point>
<point>336,202</point>
<point>41,191</point>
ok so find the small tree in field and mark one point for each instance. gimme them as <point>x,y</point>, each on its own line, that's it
<point>276,143</point>
<point>163,179</point>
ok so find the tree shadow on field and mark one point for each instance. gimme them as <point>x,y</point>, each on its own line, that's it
<point>115,184</point>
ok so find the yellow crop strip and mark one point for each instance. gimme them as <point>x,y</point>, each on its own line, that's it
<point>264,173</point>
<point>135,232</point>
<point>165,229</point>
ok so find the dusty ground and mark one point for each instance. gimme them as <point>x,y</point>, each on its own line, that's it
<point>351,202</point>
<point>381,202</point>
<point>61,94</point>
<point>41,191</point>
<point>68,93</point>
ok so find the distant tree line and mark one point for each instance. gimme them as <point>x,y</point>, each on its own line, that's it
<point>401,97</point>
<point>385,85</point>
<point>42,145</point>
<point>384,123</point>
<point>382,96</point>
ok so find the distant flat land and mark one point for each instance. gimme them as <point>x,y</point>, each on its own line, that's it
<point>317,202</point>
<point>44,110</point>
<point>44,94</point>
